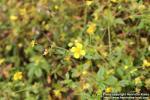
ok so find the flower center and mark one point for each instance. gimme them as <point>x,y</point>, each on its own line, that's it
<point>78,50</point>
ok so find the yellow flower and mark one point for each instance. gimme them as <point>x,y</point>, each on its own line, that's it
<point>126,67</point>
<point>57,93</point>
<point>114,1</point>
<point>22,11</point>
<point>46,26</point>
<point>86,86</point>
<point>141,7</point>
<point>108,89</point>
<point>91,29</point>
<point>20,45</point>
<point>88,2</point>
<point>17,76</point>
<point>33,42</point>
<point>104,53</point>
<point>84,72</point>
<point>146,63</point>
<point>56,7</point>
<point>78,50</point>
<point>137,80</point>
<point>2,60</point>
<point>13,18</point>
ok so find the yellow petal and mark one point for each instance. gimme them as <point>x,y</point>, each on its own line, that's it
<point>79,45</point>
<point>108,90</point>
<point>2,60</point>
<point>86,86</point>
<point>20,77</point>
<point>23,11</point>
<point>76,55</point>
<point>88,3</point>
<point>17,76</point>
<point>141,7</point>
<point>83,52</point>
<point>114,1</point>
<point>70,44</point>
<point>57,93</point>
<point>73,49</point>
<point>84,72</point>
<point>14,78</point>
<point>91,29</point>
<point>13,17</point>
<point>126,67</point>
<point>33,43</point>
<point>76,41</point>
<point>144,61</point>
<point>20,73</point>
<point>148,65</point>
<point>56,7</point>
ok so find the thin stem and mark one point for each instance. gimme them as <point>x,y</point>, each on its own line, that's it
<point>85,15</point>
<point>90,39</point>
<point>109,39</point>
<point>60,48</point>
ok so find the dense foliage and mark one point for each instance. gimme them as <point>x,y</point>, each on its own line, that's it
<point>73,49</point>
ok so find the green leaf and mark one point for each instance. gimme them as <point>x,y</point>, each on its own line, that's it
<point>92,54</point>
<point>119,21</point>
<point>101,73</point>
<point>39,48</point>
<point>120,72</point>
<point>101,86</point>
<point>124,83</point>
<point>31,71</point>
<point>61,51</point>
<point>38,72</point>
<point>111,80</point>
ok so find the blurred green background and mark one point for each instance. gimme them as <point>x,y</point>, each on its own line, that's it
<point>73,49</point>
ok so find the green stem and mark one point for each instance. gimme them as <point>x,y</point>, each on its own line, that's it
<point>109,39</point>
<point>90,39</point>
<point>60,48</point>
<point>85,15</point>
